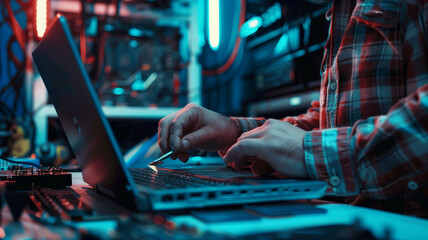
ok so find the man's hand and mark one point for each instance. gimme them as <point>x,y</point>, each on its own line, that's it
<point>195,127</point>
<point>276,145</point>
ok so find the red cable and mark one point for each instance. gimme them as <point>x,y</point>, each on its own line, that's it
<point>16,28</point>
<point>232,57</point>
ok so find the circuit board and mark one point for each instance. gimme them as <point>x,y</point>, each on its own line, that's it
<point>25,178</point>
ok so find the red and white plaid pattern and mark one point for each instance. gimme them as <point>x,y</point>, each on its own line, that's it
<point>369,130</point>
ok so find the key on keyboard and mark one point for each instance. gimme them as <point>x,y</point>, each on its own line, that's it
<point>168,180</point>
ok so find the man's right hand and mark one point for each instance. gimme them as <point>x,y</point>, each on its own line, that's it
<point>195,127</point>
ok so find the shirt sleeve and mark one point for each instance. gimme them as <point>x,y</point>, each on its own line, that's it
<point>382,156</point>
<point>245,124</point>
<point>307,121</point>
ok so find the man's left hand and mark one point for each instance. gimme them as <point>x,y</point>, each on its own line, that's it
<point>276,145</point>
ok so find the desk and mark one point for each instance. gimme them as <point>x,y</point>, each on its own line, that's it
<point>379,223</point>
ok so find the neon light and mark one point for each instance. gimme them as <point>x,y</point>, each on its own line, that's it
<point>196,158</point>
<point>41,17</point>
<point>108,28</point>
<point>250,27</point>
<point>118,91</point>
<point>133,44</point>
<point>282,46</point>
<point>294,101</point>
<point>214,24</point>
<point>255,22</point>
<point>135,32</point>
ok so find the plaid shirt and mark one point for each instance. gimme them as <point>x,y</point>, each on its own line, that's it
<point>368,134</point>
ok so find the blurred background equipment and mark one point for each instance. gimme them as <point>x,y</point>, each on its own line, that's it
<point>16,123</point>
<point>148,59</point>
<point>141,66</point>
<point>131,49</point>
<point>268,52</point>
<point>53,153</point>
<point>142,58</point>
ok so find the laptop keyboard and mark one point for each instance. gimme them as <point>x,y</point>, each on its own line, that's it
<point>171,180</point>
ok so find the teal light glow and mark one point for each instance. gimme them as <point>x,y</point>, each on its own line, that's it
<point>133,43</point>
<point>282,45</point>
<point>135,32</point>
<point>289,41</point>
<point>255,22</point>
<point>214,24</point>
<point>108,28</point>
<point>197,158</point>
<point>295,101</point>
<point>118,91</point>
<point>250,27</point>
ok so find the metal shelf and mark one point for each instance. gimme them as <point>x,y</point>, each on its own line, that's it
<point>279,104</point>
<point>111,112</point>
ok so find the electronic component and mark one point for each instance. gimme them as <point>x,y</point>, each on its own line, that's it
<point>141,65</point>
<point>25,178</point>
<point>9,163</point>
<point>64,203</point>
<point>53,153</point>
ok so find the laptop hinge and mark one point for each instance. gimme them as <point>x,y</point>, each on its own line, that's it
<point>105,191</point>
<point>141,203</point>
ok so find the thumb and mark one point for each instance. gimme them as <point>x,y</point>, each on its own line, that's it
<point>195,139</point>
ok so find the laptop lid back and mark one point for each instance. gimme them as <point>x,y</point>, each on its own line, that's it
<point>80,114</point>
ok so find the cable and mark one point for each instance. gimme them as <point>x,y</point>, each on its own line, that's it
<point>16,81</point>
<point>11,93</point>
<point>17,162</point>
<point>19,36</point>
<point>7,112</point>
<point>16,28</point>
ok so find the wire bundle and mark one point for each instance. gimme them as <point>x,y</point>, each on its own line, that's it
<point>13,109</point>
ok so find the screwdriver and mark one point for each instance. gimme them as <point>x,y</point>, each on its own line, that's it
<point>153,164</point>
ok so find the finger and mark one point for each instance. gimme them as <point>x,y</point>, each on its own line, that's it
<point>184,157</point>
<point>241,150</point>
<point>176,131</point>
<point>243,163</point>
<point>183,122</point>
<point>261,168</point>
<point>163,133</point>
<point>195,139</point>
<point>247,162</point>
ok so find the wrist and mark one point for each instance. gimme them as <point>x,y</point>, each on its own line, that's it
<point>232,133</point>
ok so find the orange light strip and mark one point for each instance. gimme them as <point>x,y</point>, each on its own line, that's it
<point>41,17</point>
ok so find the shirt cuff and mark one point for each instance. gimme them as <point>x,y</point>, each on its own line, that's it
<point>246,124</point>
<point>243,125</point>
<point>328,158</point>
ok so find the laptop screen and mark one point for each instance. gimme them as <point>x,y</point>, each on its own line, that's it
<point>80,113</point>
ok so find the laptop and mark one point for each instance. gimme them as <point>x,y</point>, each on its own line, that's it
<point>96,149</point>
